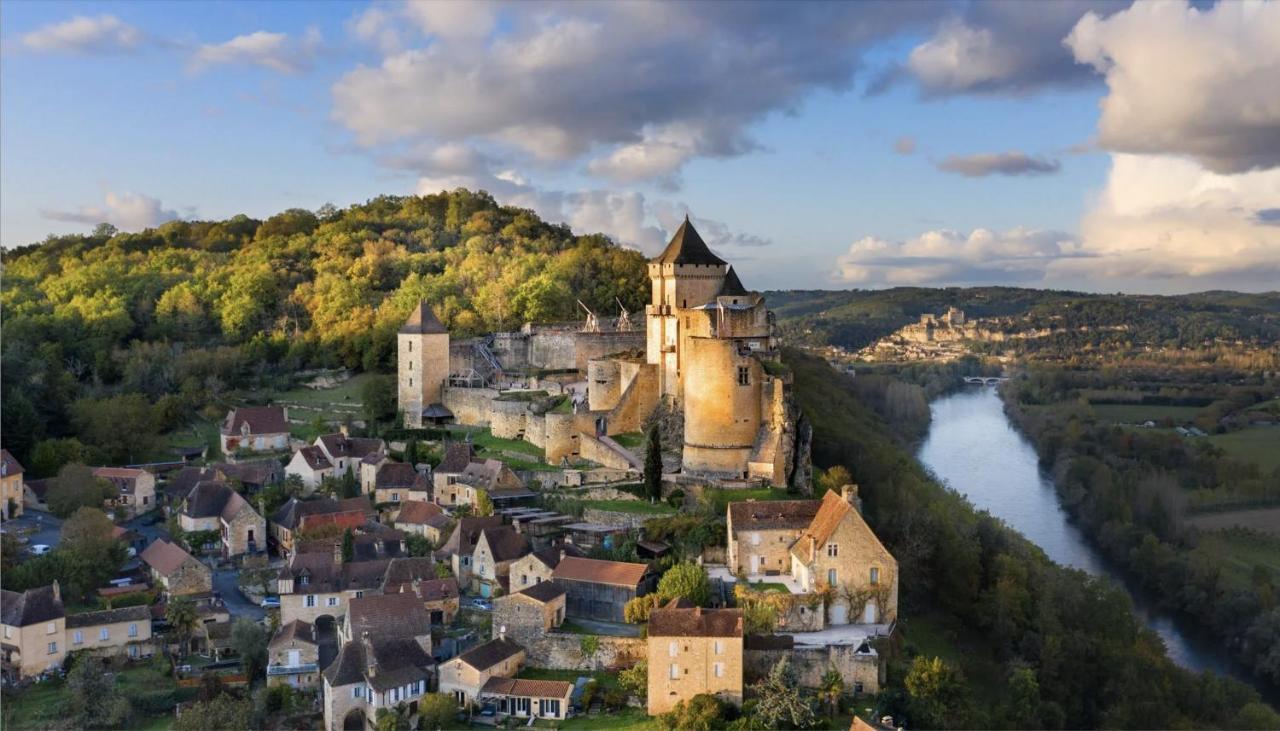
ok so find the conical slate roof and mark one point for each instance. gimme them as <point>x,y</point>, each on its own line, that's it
<point>732,286</point>
<point>687,247</point>
<point>422,321</point>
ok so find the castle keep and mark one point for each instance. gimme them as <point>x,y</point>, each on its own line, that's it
<point>707,350</point>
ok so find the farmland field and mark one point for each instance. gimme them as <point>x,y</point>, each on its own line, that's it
<point>1239,551</point>
<point>1259,444</point>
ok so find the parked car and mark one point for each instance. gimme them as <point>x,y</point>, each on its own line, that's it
<point>479,603</point>
<point>40,549</point>
<point>271,602</point>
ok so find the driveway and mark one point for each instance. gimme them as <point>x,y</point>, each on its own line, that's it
<point>225,583</point>
<point>46,527</point>
<point>840,634</point>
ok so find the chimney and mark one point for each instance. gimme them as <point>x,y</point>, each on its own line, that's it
<point>337,552</point>
<point>563,553</point>
<point>502,632</point>
<point>344,430</point>
<point>850,495</point>
<point>57,591</point>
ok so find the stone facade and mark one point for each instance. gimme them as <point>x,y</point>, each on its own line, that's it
<point>12,492</point>
<point>861,669</point>
<point>112,632</point>
<point>681,667</point>
<point>529,570</point>
<point>293,657</point>
<point>563,651</point>
<point>244,532</point>
<point>840,550</point>
<point>422,358</point>
<point>526,617</point>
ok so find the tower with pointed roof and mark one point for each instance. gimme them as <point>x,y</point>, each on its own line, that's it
<point>422,359</point>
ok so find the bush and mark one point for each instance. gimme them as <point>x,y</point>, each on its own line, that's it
<point>702,712</point>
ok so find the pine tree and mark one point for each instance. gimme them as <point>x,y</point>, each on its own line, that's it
<point>653,464</point>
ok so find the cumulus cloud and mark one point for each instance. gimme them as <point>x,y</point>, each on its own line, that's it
<point>126,211</point>
<point>274,51</point>
<point>1000,163</point>
<point>87,35</point>
<point>997,47</point>
<point>946,257</point>
<point>904,145</point>
<point>668,82</point>
<point>1183,81</point>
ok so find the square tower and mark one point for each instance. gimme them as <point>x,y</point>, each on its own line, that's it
<point>422,362</point>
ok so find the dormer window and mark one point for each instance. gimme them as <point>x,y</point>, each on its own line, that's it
<point>304,580</point>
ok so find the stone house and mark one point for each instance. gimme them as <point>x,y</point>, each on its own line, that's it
<point>530,612</point>
<point>12,489</point>
<point>694,651</point>
<point>423,519</point>
<point>396,482</point>
<point>761,532</point>
<point>457,455</point>
<point>314,585</point>
<point>251,477</point>
<point>459,549</point>
<point>495,551</point>
<point>598,589</point>
<point>464,676</point>
<point>490,476</point>
<point>293,656</point>
<point>367,471</point>
<point>125,631</point>
<point>135,490</point>
<point>439,597</point>
<point>311,466</point>
<point>255,429</point>
<point>214,506</point>
<point>33,624</point>
<point>384,661</point>
<point>521,698</point>
<point>298,516</point>
<point>346,453</point>
<point>538,566</point>
<point>175,570</point>
<point>839,550</point>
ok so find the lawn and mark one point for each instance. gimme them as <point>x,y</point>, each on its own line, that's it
<point>485,439</point>
<point>1138,413</point>
<point>1238,551</point>
<point>631,440</point>
<point>720,499</point>
<point>1259,444</point>
<point>769,587</point>
<point>937,635</point>
<point>630,719</point>
<point>199,433</point>
<point>630,506</point>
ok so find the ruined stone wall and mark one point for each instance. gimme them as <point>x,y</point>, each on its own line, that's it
<point>470,406</point>
<point>509,419</point>
<point>511,349</point>
<point>604,384</point>
<point>613,517</point>
<point>811,663</point>
<point>590,346</point>
<point>563,651</point>
<point>553,351</point>
<point>638,401</point>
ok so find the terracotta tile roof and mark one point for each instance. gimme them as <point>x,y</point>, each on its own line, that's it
<point>457,455</point>
<point>833,510</point>
<point>525,688</point>
<point>164,557</point>
<point>261,420</point>
<point>388,615</point>
<point>417,511</point>
<point>343,519</point>
<point>542,592</point>
<point>9,465</point>
<point>483,657</point>
<point>141,613</point>
<point>505,543</point>
<point>127,473</point>
<point>298,630</point>
<point>672,620</point>
<point>422,321</point>
<point>21,609</point>
<point>687,247</point>
<point>773,514</point>
<point>617,573</point>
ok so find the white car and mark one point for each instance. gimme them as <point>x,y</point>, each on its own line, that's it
<point>40,549</point>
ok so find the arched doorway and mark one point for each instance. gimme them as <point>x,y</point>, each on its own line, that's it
<point>354,720</point>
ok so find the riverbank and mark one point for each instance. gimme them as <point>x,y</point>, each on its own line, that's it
<point>1129,490</point>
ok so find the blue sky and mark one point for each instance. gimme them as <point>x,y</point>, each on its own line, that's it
<point>757,119</point>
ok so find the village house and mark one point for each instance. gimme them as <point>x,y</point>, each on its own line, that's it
<point>33,623</point>
<point>440,598</point>
<point>255,429</point>
<point>175,570</point>
<point>12,490</point>
<point>491,476</point>
<point>457,455</point>
<point>761,533</point>
<point>522,698</point>
<point>459,549</point>
<point>368,471</point>
<point>293,656</point>
<point>535,610</point>
<point>397,482</point>
<point>537,567</point>
<point>345,453</point>
<point>464,676</point>
<point>125,631</point>
<point>693,651</point>
<point>496,549</point>
<point>423,519</point>
<point>598,589</point>
<point>320,584</point>
<point>311,466</point>
<point>384,662</point>
<point>214,506</point>
<point>250,477</point>
<point>134,490</point>
<point>298,517</point>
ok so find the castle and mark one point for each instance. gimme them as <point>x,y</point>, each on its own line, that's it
<point>708,351</point>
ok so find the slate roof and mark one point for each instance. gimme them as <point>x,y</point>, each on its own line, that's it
<point>349,665</point>
<point>457,455</point>
<point>326,575</point>
<point>505,543</point>
<point>616,573</point>
<point>9,465</point>
<point>22,609</point>
<point>291,514</point>
<point>490,473</point>
<point>396,662</point>
<point>543,591</point>
<point>208,499</point>
<point>123,478</point>
<point>314,457</point>
<point>399,474</point>
<point>435,590</point>
<point>422,321</point>
<point>465,534</point>
<point>525,688</point>
<point>164,557</point>
<point>298,630</point>
<point>261,420</point>
<point>687,247</point>
<point>404,570</point>
<point>258,472</point>
<point>110,616</point>
<point>732,286</point>
<point>483,657</point>
<point>339,445</point>
<point>675,620</point>
<point>550,557</point>
<point>40,487</point>
<point>184,481</point>
<point>773,514</point>
<point>417,511</point>
<point>388,615</point>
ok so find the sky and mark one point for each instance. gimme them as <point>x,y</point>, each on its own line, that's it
<point>1102,146</point>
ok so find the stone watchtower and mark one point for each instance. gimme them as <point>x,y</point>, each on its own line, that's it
<point>422,358</point>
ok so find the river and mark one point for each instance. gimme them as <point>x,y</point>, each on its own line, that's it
<point>975,449</point>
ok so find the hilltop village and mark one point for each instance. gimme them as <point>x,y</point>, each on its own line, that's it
<point>615,517</point>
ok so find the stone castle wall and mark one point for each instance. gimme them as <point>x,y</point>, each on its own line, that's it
<point>470,405</point>
<point>722,417</point>
<point>810,663</point>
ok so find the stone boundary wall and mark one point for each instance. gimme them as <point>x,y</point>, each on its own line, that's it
<point>588,346</point>
<point>810,663</point>
<point>470,406</point>
<point>610,517</point>
<point>563,651</point>
<point>592,449</point>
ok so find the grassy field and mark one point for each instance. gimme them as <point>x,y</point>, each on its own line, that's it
<point>720,499</point>
<point>1260,445</point>
<point>485,439</point>
<point>631,719</point>
<point>199,433</point>
<point>934,635</point>
<point>1238,551</point>
<point>630,506</point>
<point>1138,413</point>
<point>632,440</point>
